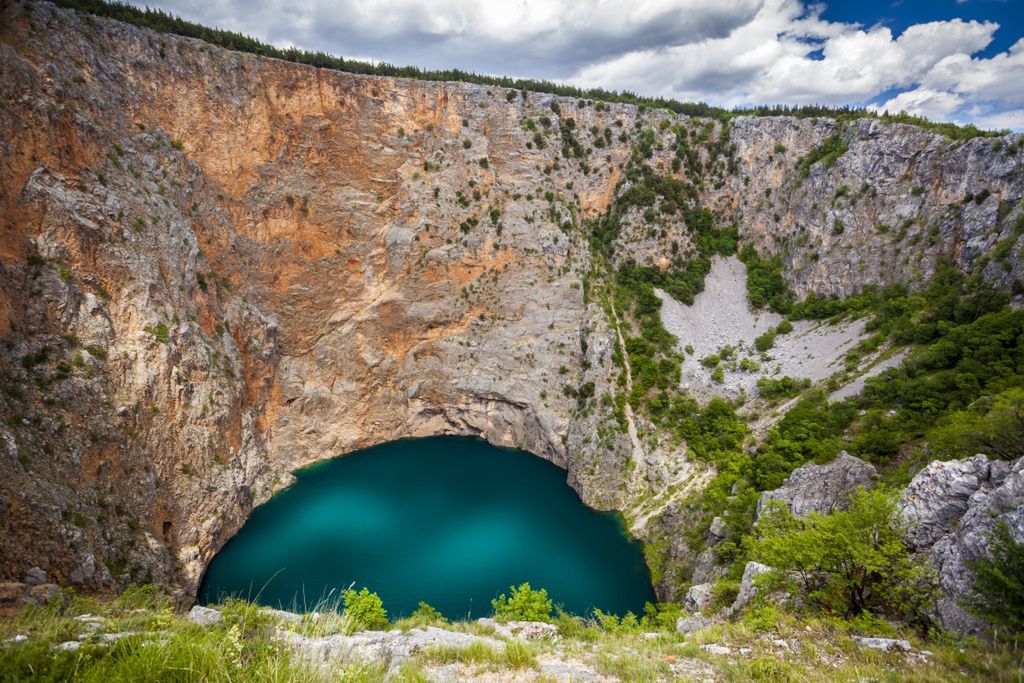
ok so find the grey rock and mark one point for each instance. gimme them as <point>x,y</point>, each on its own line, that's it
<point>567,670</point>
<point>940,494</point>
<point>821,488</point>
<point>204,616</point>
<point>524,630</point>
<point>10,445</point>
<point>91,622</point>
<point>698,596</point>
<point>716,649</point>
<point>747,587</point>
<point>884,644</point>
<point>35,576</point>
<point>717,530</point>
<point>694,622</point>
<point>392,647</point>
<point>707,568</point>
<point>951,509</point>
<point>85,571</point>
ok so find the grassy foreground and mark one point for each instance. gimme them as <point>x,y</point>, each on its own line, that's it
<point>765,645</point>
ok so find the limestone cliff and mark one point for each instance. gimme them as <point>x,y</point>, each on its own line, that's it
<point>216,268</point>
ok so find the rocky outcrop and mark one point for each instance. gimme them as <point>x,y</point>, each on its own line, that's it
<point>524,630</point>
<point>951,509</point>
<point>390,647</point>
<point>748,586</point>
<point>698,597</point>
<point>821,488</point>
<point>15,595</point>
<point>216,268</point>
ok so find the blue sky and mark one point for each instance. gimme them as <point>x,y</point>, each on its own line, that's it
<point>948,60</point>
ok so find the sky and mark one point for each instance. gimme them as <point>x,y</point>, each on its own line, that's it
<point>948,60</point>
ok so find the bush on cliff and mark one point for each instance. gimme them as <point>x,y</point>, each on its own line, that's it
<point>522,604</point>
<point>848,562</point>
<point>366,609</point>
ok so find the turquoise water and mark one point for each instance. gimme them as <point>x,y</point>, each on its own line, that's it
<point>452,521</point>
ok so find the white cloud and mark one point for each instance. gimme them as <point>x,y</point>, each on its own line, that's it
<point>1011,119</point>
<point>933,104</point>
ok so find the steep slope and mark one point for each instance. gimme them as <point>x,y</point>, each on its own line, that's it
<point>216,268</point>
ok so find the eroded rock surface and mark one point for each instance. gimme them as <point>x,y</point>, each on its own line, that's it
<point>821,488</point>
<point>951,509</point>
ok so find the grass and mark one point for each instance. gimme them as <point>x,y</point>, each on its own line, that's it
<point>766,644</point>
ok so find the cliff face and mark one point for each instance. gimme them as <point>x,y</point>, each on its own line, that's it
<point>216,268</point>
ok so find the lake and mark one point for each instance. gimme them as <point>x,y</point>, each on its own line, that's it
<point>452,521</point>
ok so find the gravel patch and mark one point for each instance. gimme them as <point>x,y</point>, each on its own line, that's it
<point>721,316</point>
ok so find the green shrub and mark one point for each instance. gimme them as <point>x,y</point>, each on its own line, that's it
<point>160,332</point>
<point>723,593</point>
<point>828,152</point>
<point>97,351</point>
<point>846,562</point>
<point>366,609</point>
<point>781,387</point>
<point>428,613</point>
<point>997,594</point>
<point>765,284</point>
<point>522,604</point>
<point>992,425</point>
<point>765,341</point>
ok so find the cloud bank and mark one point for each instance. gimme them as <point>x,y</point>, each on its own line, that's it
<point>739,53</point>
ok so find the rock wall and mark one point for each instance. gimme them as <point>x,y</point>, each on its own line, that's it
<point>216,268</point>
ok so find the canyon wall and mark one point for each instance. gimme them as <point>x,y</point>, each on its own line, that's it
<point>216,268</point>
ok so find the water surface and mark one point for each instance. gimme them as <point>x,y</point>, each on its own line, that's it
<point>452,521</point>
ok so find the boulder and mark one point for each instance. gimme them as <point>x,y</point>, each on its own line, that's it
<point>717,531</point>
<point>85,571</point>
<point>524,630</point>
<point>35,576</point>
<point>707,567</point>
<point>694,622</point>
<point>821,488</point>
<point>951,509</point>
<point>391,647</point>
<point>747,587</point>
<point>883,644</point>
<point>698,597</point>
<point>940,494</point>
<point>204,616</point>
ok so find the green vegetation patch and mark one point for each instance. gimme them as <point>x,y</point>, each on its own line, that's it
<point>828,153</point>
